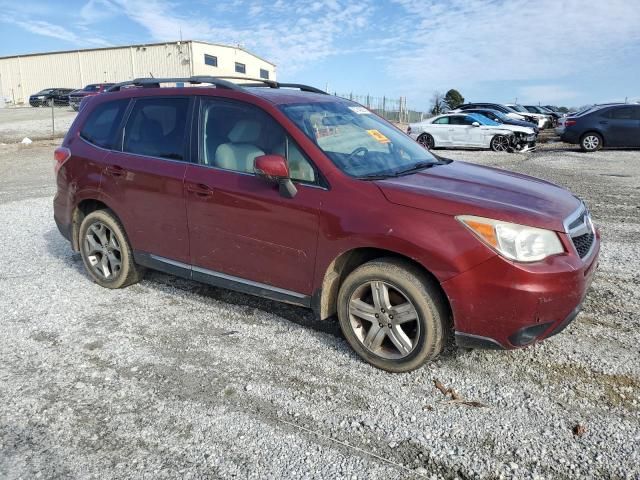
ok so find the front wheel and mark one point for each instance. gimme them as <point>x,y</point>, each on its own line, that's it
<point>591,142</point>
<point>106,252</point>
<point>500,143</point>
<point>392,314</point>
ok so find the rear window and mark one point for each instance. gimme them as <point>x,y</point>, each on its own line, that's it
<point>156,128</point>
<point>102,124</point>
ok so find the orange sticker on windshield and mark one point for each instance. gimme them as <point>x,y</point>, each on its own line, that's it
<point>378,136</point>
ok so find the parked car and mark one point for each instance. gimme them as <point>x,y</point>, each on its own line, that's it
<point>75,98</point>
<point>299,196</point>
<point>50,97</point>
<point>500,117</point>
<point>555,116</point>
<point>616,125</point>
<point>542,120</point>
<point>508,111</point>
<point>471,130</point>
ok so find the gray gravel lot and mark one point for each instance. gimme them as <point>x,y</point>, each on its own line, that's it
<point>34,122</point>
<point>169,378</point>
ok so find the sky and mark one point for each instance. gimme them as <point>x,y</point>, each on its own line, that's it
<point>559,52</point>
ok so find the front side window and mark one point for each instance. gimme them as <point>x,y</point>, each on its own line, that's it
<point>210,60</point>
<point>264,74</point>
<point>156,128</point>
<point>358,142</point>
<point>101,126</point>
<point>241,68</point>
<point>234,134</point>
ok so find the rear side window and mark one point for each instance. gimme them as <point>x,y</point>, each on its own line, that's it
<point>622,113</point>
<point>156,128</point>
<point>101,126</point>
<point>442,121</point>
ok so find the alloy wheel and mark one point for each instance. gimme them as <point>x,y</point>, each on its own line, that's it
<point>103,251</point>
<point>384,320</point>
<point>500,143</point>
<point>426,141</point>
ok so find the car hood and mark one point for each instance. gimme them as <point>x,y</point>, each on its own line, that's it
<point>461,188</point>
<point>518,128</point>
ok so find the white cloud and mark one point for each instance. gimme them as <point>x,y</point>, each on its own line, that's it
<point>463,42</point>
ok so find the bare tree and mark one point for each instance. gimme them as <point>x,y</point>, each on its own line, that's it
<point>438,104</point>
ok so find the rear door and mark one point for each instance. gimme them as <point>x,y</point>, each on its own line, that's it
<point>621,126</point>
<point>143,181</point>
<point>440,131</point>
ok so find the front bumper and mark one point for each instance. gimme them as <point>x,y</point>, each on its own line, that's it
<point>505,305</point>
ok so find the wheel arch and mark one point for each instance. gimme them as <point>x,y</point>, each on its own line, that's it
<point>81,210</point>
<point>324,301</point>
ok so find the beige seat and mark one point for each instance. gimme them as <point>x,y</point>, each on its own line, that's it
<point>299,168</point>
<point>241,150</point>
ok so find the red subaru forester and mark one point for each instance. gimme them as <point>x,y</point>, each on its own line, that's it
<point>283,191</point>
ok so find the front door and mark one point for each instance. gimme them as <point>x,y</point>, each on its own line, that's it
<point>241,229</point>
<point>144,180</point>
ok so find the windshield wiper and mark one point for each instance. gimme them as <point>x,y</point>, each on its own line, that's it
<point>414,168</point>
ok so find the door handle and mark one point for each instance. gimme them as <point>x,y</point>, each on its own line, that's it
<point>200,189</point>
<point>115,171</point>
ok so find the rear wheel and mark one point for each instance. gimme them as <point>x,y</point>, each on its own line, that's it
<point>500,143</point>
<point>426,141</point>
<point>106,252</point>
<point>590,142</point>
<point>392,315</point>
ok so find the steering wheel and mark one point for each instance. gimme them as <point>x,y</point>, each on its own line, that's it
<point>359,150</point>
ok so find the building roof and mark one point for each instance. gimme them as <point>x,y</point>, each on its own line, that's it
<point>115,47</point>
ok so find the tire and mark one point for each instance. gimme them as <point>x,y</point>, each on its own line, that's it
<point>591,142</point>
<point>365,322</point>
<point>426,141</point>
<point>500,143</point>
<point>106,252</point>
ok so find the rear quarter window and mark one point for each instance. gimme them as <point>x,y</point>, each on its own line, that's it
<point>101,125</point>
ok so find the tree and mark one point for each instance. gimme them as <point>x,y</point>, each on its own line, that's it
<point>563,110</point>
<point>453,99</point>
<point>438,105</point>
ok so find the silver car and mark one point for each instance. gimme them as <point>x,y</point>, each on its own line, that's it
<point>471,130</point>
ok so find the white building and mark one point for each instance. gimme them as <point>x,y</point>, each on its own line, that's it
<point>24,75</point>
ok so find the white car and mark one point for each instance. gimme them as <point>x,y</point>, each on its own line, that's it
<point>471,130</point>
<point>544,121</point>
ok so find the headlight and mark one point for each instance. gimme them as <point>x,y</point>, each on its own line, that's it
<point>513,241</point>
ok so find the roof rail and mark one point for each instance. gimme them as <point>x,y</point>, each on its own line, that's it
<point>219,82</point>
<point>155,82</point>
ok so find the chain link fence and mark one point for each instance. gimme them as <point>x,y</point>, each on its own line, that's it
<point>393,109</point>
<point>40,119</point>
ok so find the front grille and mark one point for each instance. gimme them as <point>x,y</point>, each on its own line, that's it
<point>583,243</point>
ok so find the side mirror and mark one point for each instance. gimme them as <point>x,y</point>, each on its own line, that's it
<point>274,169</point>
<point>476,124</point>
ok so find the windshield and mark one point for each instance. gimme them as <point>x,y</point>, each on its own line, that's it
<point>357,141</point>
<point>91,88</point>
<point>518,108</point>
<point>45,91</point>
<point>482,120</point>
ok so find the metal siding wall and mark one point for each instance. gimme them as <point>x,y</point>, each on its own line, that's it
<point>23,76</point>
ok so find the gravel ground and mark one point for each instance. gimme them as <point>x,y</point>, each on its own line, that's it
<point>169,378</point>
<point>34,123</point>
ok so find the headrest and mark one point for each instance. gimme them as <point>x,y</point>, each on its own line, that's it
<point>245,131</point>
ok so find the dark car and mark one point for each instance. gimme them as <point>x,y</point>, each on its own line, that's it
<point>50,97</point>
<point>300,196</point>
<point>500,117</point>
<point>500,108</point>
<point>75,98</point>
<point>615,125</point>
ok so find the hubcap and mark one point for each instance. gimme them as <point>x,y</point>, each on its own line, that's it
<point>384,320</point>
<point>102,250</point>
<point>591,142</point>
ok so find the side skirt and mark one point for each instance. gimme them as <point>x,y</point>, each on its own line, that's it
<point>222,280</point>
